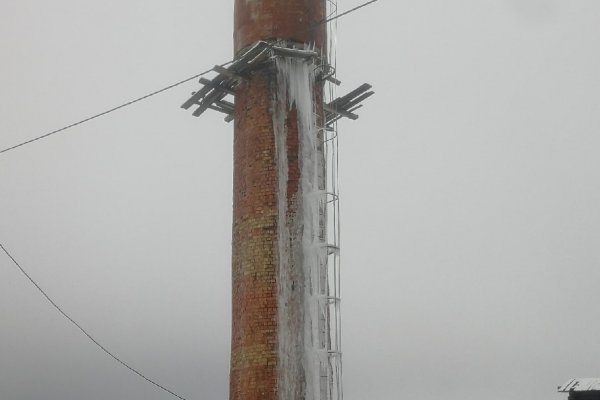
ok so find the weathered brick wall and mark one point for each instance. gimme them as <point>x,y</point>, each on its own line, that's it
<point>255,258</point>
<point>278,19</point>
<point>253,372</point>
<point>255,247</point>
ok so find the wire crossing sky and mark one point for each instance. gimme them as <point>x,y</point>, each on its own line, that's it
<point>108,111</point>
<point>85,332</point>
<point>469,198</point>
<point>155,92</point>
<point>139,99</point>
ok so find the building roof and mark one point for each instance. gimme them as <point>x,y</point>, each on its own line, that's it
<point>581,385</point>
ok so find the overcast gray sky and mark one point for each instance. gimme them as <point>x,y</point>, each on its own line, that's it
<point>470,199</point>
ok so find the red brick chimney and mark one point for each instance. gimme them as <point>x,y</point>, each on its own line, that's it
<point>256,357</point>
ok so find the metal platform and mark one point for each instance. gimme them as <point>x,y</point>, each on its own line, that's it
<point>218,93</point>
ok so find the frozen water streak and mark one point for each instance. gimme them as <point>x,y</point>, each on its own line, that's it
<point>299,251</point>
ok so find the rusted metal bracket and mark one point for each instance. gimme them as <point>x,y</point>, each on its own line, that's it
<point>345,105</point>
<point>214,91</point>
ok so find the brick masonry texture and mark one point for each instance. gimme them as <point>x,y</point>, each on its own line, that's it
<point>278,19</point>
<point>254,346</point>
<point>253,372</point>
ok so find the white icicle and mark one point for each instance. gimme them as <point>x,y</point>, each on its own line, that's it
<point>296,79</point>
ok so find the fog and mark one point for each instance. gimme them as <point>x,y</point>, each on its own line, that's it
<point>469,199</point>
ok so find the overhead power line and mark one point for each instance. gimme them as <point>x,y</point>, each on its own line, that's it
<point>64,128</point>
<point>347,12</point>
<point>104,349</point>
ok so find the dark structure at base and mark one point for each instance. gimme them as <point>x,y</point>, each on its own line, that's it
<point>582,389</point>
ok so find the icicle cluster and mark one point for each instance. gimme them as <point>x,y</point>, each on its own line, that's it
<point>301,255</point>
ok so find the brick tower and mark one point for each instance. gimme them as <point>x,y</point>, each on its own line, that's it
<point>264,241</point>
<point>285,342</point>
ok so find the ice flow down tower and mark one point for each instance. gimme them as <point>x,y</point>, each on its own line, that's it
<point>285,342</point>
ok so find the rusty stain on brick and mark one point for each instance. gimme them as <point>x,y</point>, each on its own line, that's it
<point>278,19</point>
